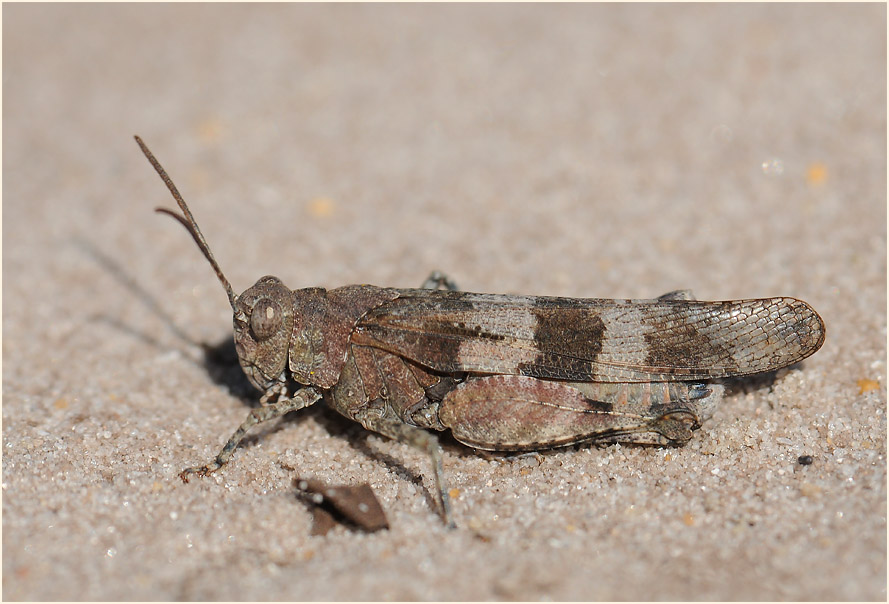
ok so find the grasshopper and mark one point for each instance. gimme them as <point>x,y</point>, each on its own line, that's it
<point>501,372</point>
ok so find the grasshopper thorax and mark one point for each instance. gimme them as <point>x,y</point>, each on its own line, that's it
<point>263,322</point>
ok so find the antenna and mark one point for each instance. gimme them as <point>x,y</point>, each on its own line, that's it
<point>188,221</point>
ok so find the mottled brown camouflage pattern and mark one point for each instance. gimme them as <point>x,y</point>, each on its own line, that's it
<point>501,372</point>
<point>579,339</point>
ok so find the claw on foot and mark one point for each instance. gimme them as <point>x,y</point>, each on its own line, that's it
<point>199,470</point>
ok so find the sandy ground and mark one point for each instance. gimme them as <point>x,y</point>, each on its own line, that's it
<point>582,150</point>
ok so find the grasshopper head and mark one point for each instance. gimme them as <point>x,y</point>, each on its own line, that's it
<point>263,315</point>
<point>263,321</point>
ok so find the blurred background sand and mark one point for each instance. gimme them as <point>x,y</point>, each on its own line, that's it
<point>575,150</point>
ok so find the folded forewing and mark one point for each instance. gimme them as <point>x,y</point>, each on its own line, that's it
<point>592,339</point>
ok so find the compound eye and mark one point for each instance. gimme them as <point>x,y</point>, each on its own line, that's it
<point>266,318</point>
